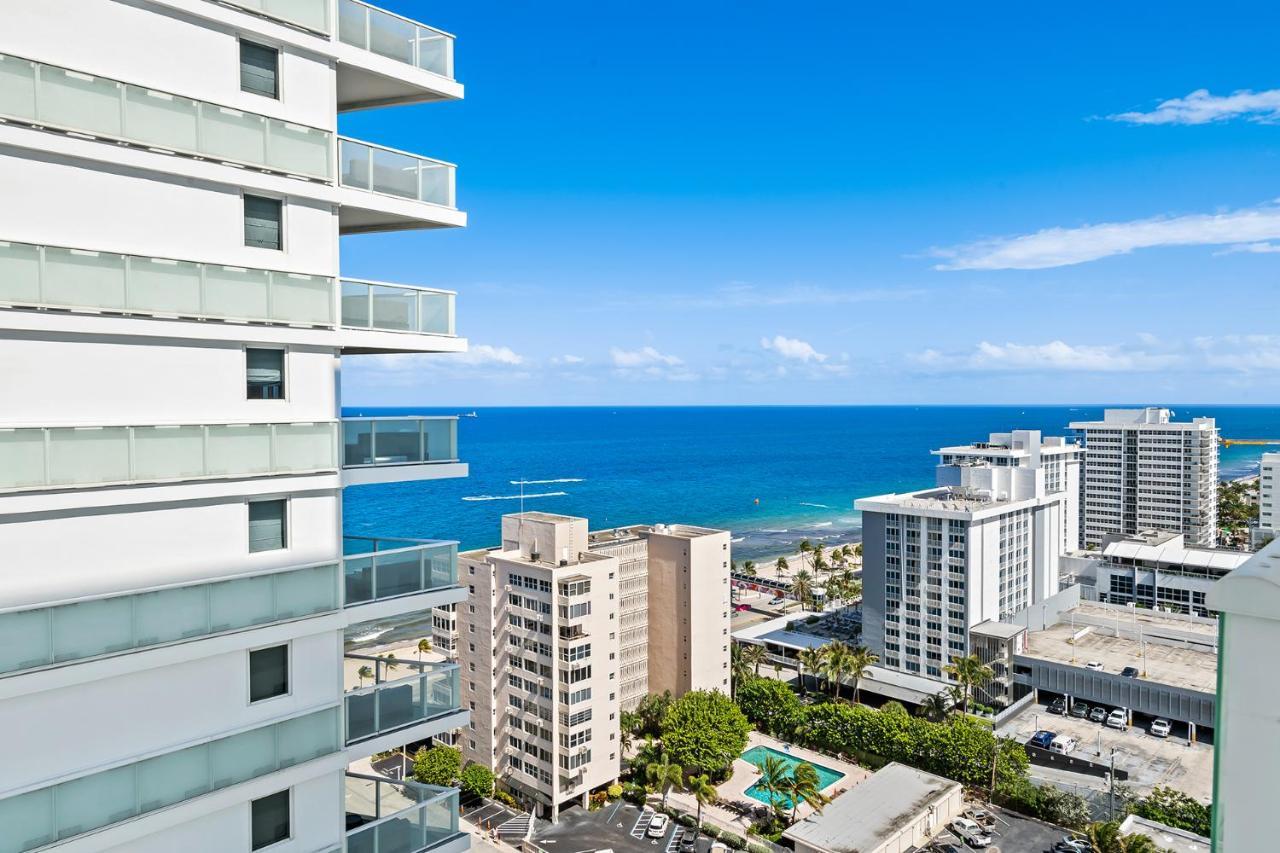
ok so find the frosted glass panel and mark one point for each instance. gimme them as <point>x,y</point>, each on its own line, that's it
<point>168,453</point>
<point>441,439</point>
<point>168,779</point>
<point>298,149</point>
<point>24,641</point>
<point>85,279</point>
<point>79,102</point>
<point>397,441</point>
<point>239,449</point>
<point>236,293</point>
<point>94,801</point>
<point>437,184</point>
<point>21,458</point>
<point>434,314</point>
<point>395,308</point>
<point>301,298</point>
<point>92,628</point>
<point>391,37</point>
<point>394,173</point>
<point>27,820</point>
<point>233,134</point>
<point>398,573</point>
<point>17,87</point>
<point>304,447</point>
<point>304,592</point>
<point>358,580</point>
<point>161,120</point>
<point>354,161</point>
<point>164,287</point>
<point>242,756</point>
<point>19,267</point>
<point>355,304</point>
<point>313,14</point>
<point>304,738</point>
<point>242,602</point>
<point>89,455</point>
<point>170,615</point>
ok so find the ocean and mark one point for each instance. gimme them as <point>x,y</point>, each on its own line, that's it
<point>772,475</point>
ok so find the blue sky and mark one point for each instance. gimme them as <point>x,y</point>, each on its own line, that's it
<point>756,202</point>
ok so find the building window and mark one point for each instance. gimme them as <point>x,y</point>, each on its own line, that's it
<point>264,374</point>
<point>259,69</point>
<point>270,819</point>
<point>266,526</point>
<point>268,673</point>
<point>262,218</point>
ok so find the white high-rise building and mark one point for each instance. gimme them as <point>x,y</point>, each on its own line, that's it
<point>1269,496</point>
<point>1145,471</point>
<point>980,546</point>
<point>564,629</point>
<point>178,606</point>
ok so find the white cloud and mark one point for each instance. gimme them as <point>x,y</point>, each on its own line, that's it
<point>486,354</point>
<point>1243,353</point>
<point>1250,248</point>
<point>1058,247</point>
<point>644,357</point>
<point>1201,107</point>
<point>1052,356</point>
<point>792,348</point>
<point>567,359</point>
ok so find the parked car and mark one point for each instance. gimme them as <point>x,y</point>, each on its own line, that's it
<point>1098,714</point>
<point>1063,745</point>
<point>1118,719</point>
<point>1095,665</point>
<point>1058,706</point>
<point>1160,728</point>
<point>776,600</point>
<point>1043,738</point>
<point>688,842</point>
<point>742,607</point>
<point>1073,845</point>
<point>719,847</point>
<point>970,832</point>
<point>1129,672</point>
<point>1079,709</point>
<point>658,827</point>
<point>982,817</point>
<point>944,847</point>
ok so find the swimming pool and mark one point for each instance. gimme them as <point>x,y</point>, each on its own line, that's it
<point>757,754</point>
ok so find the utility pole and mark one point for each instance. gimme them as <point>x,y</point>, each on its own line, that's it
<point>1111,794</point>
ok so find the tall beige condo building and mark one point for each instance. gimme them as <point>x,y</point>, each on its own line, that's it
<point>564,629</point>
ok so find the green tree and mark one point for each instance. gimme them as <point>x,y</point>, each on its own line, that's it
<point>1062,807</point>
<point>438,765</point>
<point>754,655</point>
<point>937,707</point>
<point>424,647</point>
<point>704,792</point>
<point>774,780</point>
<point>665,775</point>
<point>749,568</point>
<point>1174,808</point>
<point>739,667</point>
<point>771,705</point>
<point>782,566</point>
<point>861,659</point>
<point>1106,838</point>
<point>362,673</point>
<point>651,710</point>
<point>810,661</point>
<point>969,672</point>
<point>476,780</point>
<point>802,588</point>
<point>837,660</point>
<point>806,548</point>
<point>705,731</point>
<point>804,785</point>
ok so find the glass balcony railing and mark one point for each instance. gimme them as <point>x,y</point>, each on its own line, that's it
<point>309,14</point>
<point>378,569</point>
<point>394,308</point>
<point>49,457</point>
<point>124,623</point>
<point>430,690</point>
<point>72,808</point>
<point>379,31</point>
<point>62,99</point>
<point>370,442</point>
<point>376,169</point>
<point>385,816</point>
<point>54,277</point>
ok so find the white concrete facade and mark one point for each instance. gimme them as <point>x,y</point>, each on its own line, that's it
<point>1143,470</point>
<point>1268,496</point>
<point>179,594</point>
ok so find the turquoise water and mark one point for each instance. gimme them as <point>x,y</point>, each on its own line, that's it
<point>757,754</point>
<point>805,465</point>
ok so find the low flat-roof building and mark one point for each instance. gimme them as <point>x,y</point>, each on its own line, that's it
<point>898,809</point>
<point>1156,568</point>
<point>1167,838</point>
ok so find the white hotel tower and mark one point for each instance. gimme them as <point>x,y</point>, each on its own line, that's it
<point>176,595</point>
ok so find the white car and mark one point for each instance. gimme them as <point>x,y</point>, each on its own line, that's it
<point>1160,728</point>
<point>1063,745</point>
<point>658,826</point>
<point>970,832</point>
<point>719,847</point>
<point>1095,665</point>
<point>1118,719</point>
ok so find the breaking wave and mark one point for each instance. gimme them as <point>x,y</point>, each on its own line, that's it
<point>515,497</point>
<point>542,482</point>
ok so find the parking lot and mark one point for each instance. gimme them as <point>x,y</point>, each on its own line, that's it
<point>1149,760</point>
<point>620,826</point>
<point>1011,833</point>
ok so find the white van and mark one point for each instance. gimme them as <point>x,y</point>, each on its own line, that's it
<point>1063,745</point>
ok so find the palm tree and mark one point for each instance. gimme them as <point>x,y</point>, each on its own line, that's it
<point>704,792</point>
<point>424,647</point>
<point>835,664</point>
<point>936,708</point>
<point>805,548</point>
<point>808,660</point>
<point>749,568</point>
<point>362,673</point>
<point>754,656</point>
<point>782,566</point>
<point>861,659</point>
<point>739,668</point>
<point>969,672</point>
<point>802,588</point>
<point>773,779</point>
<point>1106,838</point>
<point>391,661</point>
<point>819,556</point>
<point>804,784</point>
<point>665,775</point>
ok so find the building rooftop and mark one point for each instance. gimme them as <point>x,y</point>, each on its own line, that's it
<point>637,531</point>
<point>1167,838</point>
<point>942,498</point>
<point>534,515</point>
<point>867,814</point>
<point>1179,651</point>
<point>999,630</point>
<point>1167,548</point>
<point>775,631</point>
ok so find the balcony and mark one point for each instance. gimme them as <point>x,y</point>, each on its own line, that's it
<point>386,816</point>
<point>40,458</point>
<point>405,311</point>
<point>311,15</point>
<point>67,101</point>
<point>397,572</point>
<point>389,190</point>
<point>394,60</point>
<point>387,450</point>
<point>390,703</point>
